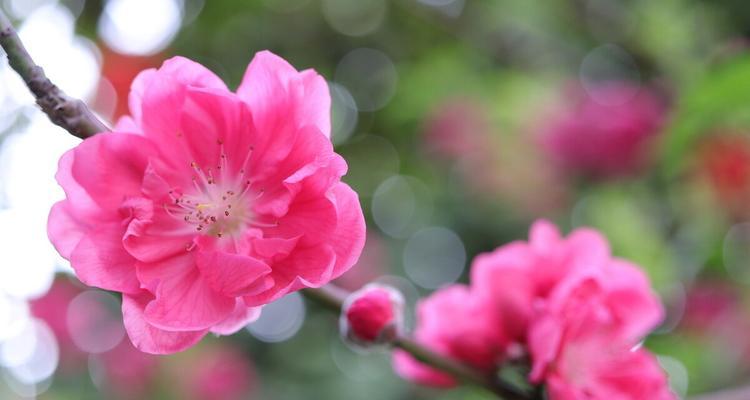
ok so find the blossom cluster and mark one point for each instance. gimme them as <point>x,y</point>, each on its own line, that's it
<point>565,304</point>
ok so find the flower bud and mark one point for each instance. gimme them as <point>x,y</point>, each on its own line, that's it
<point>372,315</point>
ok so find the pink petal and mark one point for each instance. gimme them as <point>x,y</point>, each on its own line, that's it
<point>100,260</point>
<point>313,221</point>
<point>543,235</point>
<point>137,90</point>
<point>110,167</point>
<point>305,267</point>
<point>544,340</point>
<point>230,274</point>
<point>238,319</point>
<point>185,301</point>
<point>349,238</point>
<point>315,102</point>
<point>191,73</point>
<point>81,203</point>
<point>156,237</point>
<point>63,230</point>
<point>409,368</point>
<point>161,111</point>
<point>271,85</point>
<point>213,121</point>
<point>637,308</point>
<point>146,337</point>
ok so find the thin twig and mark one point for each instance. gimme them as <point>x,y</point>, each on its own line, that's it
<point>333,297</point>
<point>69,113</point>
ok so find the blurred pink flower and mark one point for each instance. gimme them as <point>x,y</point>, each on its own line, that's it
<point>221,373</point>
<point>460,131</point>
<point>129,372</point>
<point>205,204</point>
<point>581,340</point>
<point>373,314</point>
<point>715,313</point>
<point>515,277</point>
<point>452,322</point>
<point>457,129</point>
<point>564,302</point>
<point>605,132</point>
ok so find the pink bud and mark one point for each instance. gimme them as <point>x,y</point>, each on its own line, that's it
<point>372,315</point>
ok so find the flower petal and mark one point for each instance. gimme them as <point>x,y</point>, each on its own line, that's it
<point>230,274</point>
<point>146,337</point>
<point>100,260</point>
<point>63,230</point>
<point>349,238</point>
<point>185,301</point>
<point>272,86</point>
<point>238,319</point>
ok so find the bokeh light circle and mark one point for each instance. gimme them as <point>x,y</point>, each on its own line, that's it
<point>94,321</point>
<point>370,76</point>
<point>401,205</point>
<point>609,64</point>
<point>434,257</point>
<point>355,18</point>
<point>344,113</point>
<point>279,320</point>
<point>736,252</point>
<point>139,27</point>
<point>42,361</point>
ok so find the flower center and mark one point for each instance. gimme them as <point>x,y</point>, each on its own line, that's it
<point>219,203</point>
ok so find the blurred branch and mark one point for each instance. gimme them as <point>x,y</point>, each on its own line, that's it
<point>742,393</point>
<point>66,112</point>
<point>332,297</point>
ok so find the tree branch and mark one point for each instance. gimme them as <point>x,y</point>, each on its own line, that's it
<point>66,112</point>
<point>333,297</point>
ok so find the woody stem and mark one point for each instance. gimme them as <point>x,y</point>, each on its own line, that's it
<point>332,297</point>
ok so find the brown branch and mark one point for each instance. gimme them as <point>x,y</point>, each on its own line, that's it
<point>69,113</point>
<point>333,297</point>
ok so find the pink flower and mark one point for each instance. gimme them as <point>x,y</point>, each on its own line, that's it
<point>606,132</point>
<point>222,373</point>
<point>515,277</point>
<point>453,323</point>
<point>565,302</point>
<point>373,314</point>
<point>582,342</point>
<point>129,373</point>
<point>205,204</point>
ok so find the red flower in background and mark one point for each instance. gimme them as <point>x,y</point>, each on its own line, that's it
<point>724,160</point>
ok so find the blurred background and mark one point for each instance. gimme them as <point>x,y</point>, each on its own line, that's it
<point>462,122</point>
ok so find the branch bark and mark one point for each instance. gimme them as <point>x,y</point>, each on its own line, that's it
<point>68,113</point>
